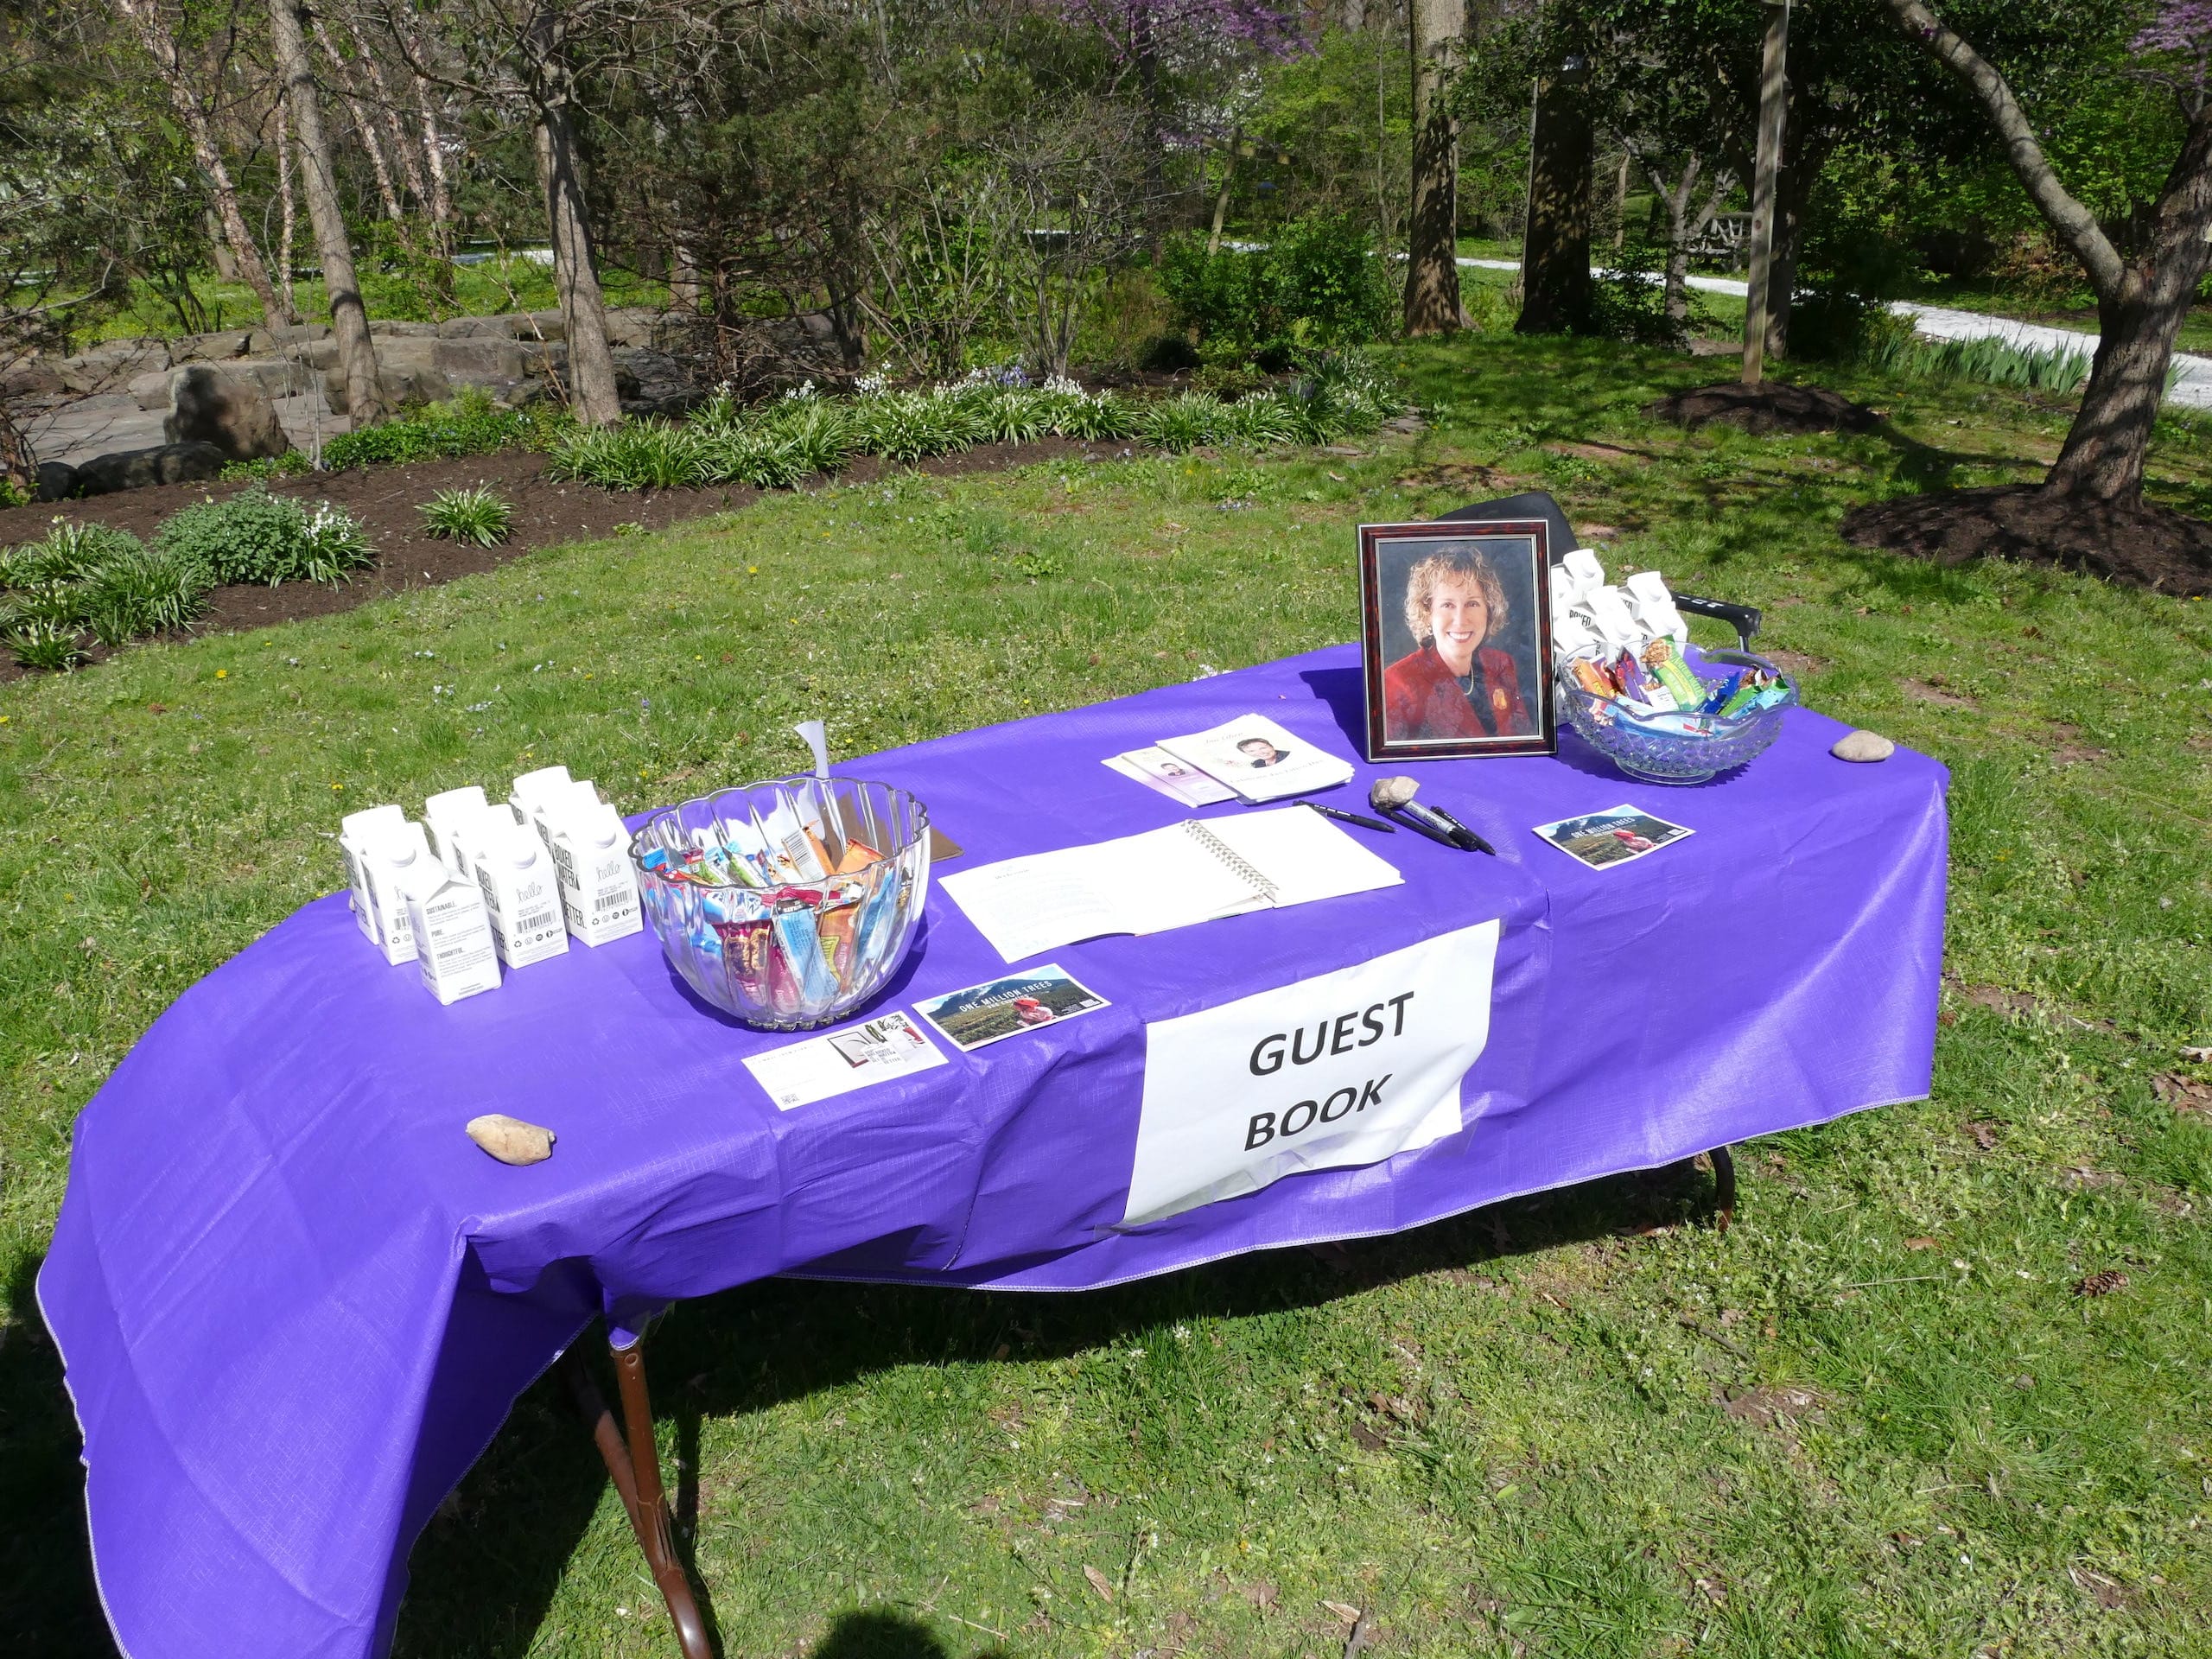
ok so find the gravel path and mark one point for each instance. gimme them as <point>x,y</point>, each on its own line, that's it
<point>2192,374</point>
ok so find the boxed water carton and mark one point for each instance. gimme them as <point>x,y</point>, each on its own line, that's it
<point>381,846</point>
<point>444,813</point>
<point>453,935</point>
<point>598,890</point>
<point>522,895</point>
<point>474,830</point>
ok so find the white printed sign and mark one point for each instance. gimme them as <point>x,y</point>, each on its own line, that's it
<point>1349,1068</point>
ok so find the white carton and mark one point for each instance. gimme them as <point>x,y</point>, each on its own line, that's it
<point>533,789</point>
<point>598,890</point>
<point>522,895</point>
<point>381,849</point>
<point>451,933</point>
<point>442,814</point>
<point>1655,605</point>
<point>471,831</point>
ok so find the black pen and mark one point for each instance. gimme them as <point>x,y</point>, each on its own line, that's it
<point>1420,827</point>
<point>1466,838</point>
<point>1341,815</point>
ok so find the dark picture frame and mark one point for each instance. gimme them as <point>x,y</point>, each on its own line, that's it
<point>1418,707</point>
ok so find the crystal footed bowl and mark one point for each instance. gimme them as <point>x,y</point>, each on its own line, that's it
<point>787,904</point>
<point>1677,748</point>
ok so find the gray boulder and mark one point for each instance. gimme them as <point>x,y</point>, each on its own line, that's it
<point>212,348</point>
<point>135,469</point>
<point>112,366</point>
<point>481,358</point>
<point>381,331</point>
<point>232,412</point>
<point>401,384</point>
<point>34,377</point>
<point>151,388</point>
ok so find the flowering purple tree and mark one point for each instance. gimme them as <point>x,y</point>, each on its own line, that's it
<point>1148,38</point>
<point>2143,295</point>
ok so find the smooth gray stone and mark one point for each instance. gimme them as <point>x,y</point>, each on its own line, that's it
<point>1863,746</point>
<point>135,469</point>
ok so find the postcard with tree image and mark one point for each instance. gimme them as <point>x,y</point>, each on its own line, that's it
<point>1006,1008</point>
<point>1619,835</point>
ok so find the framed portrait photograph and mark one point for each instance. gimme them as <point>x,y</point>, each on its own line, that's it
<point>1455,637</point>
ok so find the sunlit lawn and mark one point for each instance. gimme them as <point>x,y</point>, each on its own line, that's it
<point>1874,1418</point>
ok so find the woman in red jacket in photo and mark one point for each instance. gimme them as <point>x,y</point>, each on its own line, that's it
<point>1453,686</point>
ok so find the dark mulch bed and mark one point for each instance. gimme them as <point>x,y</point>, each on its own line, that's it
<point>1772,406</point>
<point>386,499</point>
<point>2148,546</point>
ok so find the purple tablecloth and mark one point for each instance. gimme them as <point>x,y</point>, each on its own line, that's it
<point>295,1303</point>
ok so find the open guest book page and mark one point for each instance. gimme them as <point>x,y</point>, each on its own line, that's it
<point>1190,872</point>
<point>1259,760</point>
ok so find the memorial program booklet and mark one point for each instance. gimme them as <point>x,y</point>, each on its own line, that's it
<point>1195,871</point>
<point>1259,760</point>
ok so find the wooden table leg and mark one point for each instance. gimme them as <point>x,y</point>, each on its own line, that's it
<point>1724,1186</point>
<point>635,1469</point>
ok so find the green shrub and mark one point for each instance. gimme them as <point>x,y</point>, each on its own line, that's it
<point>1181,422</point>
<point>477,516</point>
<point>140,590</point>
<point>1317,284</point>
<point>82,578</point>
<point>256,537</point>
<point>290,464</point>
<point>43,645</point>
<point>470,424</point>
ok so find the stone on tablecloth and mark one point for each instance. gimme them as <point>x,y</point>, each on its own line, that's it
<point>1863,746</point>
<point>510,1140</point>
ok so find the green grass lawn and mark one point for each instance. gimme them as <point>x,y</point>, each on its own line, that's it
<point>1874,1419</point>
<point>396,295</point>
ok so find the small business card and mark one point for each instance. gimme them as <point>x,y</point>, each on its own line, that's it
<point>875,1051</point>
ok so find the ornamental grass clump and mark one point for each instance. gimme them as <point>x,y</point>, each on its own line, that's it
<point>1181,422</point>
<point>81,578</point>
<point>259,537</point>
<point>478,516</point>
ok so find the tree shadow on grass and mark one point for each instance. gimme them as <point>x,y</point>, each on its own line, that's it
<point>49,1603</point>
<point>877,1635</point>
<point>485,1573</point>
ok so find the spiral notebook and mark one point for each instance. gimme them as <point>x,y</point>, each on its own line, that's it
<point>1196,871</point>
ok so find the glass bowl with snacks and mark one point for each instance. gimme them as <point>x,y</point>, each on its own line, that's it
<point>1664,716</point>
<point>787,904</point>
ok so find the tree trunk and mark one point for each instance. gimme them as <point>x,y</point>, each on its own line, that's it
<point>1221,197</point>
<point>162,48</point>
<point>349,319</point>
<point>287,210</point>
<point>434,159</point>
<point>1677,198</point>
<point>1436,29</point>
<point>387,114</point>
<point>2110,438</point>
<point>2141,302</point>
<point>685,290</point>
<point>18,466</point>
<point>364,127</point>
<point>1557,295</point>
<point>575,276</point>
<point>226,263</point>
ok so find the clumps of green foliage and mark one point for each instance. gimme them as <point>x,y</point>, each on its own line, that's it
<point>775,445</point>
<point>1316,284</point>
<point>478,516</point>
<point>90,579</point>
<point>262,469</point>
<point>1992,361</point>
<point>256,536</point>
<point>469,424</point>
